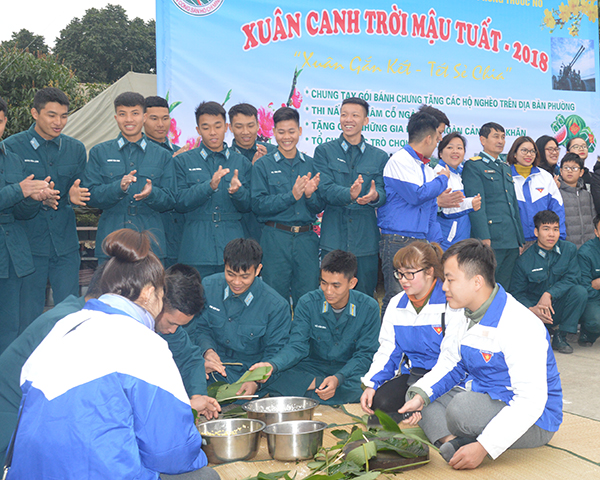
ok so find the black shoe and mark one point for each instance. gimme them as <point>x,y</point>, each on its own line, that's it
<point>584,340</point>
<point>559,343</point>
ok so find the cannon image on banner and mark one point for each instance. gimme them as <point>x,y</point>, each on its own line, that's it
<point>570,79</point>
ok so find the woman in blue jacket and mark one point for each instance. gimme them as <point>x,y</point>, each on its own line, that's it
<point>413,328</point>
<point>102,396</point>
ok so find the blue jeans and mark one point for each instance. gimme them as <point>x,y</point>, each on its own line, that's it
<point>388,247</point>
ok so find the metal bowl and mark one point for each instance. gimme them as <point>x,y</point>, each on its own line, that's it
<point>296,440</point>
<point>230,440</point>
<point>281,409</point>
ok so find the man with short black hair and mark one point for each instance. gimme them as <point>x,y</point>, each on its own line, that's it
<point>245,321</point>
<point>52,233</point>
<point>285,199</point>
<point>156,127</point>
<point>513,397</point>
<point>243,123</point>
<point>546,280</point>
<point>184,299</point>
<point>410,211</point>
<point>333,338</point>
<point>214,191</point>
<point>352,188</point>
<point>498,222</point>
<point>130,178</point>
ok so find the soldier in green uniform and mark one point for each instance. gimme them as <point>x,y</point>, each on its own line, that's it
<point>546,280</point>
<point>588,257</point>
<point>156,128</point>
<point>184,299</point>
<point>130,178</point>
<point>286,200</point>
<point>498,222</point>
<point>243,123</point>
<point>245,320</point>
<point>52,234</point>
<point>352,187</point>
<point>20,197</point>
<point>333,339</point>
<point>214,192</point>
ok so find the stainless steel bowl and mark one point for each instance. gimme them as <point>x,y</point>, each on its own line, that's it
<point>296,440</point>
<point>281,409</point>
<point>222,446</point>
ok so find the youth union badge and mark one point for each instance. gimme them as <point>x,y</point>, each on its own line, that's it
<point>199,8</point>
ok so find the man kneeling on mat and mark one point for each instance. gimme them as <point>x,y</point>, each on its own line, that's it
<point>513,398</point>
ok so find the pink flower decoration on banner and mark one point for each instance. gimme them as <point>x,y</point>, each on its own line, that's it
<point>265,120</point>
<point>297,98</point>
<point>192,143</point>
<point>174,132</point>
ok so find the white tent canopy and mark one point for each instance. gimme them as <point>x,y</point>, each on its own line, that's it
<point>95,123</point>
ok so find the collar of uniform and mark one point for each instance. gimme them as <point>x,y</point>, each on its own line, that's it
<point>477,315</point>
<point>542,252</point>
<point>362,145</point>
<point>349,309</point>
<point>3,148</point>
<point>278,156</point>
<point>206,152</point>
<point>122,141</point>
<point>487,158</point>
<point>411,151</point>
<point>241,150</point>
<point>166,144</point>
<point>245,297</point>
<point>36,139</point>
<point>458,170</point>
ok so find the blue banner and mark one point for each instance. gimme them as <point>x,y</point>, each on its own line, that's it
<point>530,65</point>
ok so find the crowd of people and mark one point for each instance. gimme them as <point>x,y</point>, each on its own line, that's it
<point>471,251</point>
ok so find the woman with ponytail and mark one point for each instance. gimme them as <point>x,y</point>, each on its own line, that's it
<point>102,396</point>
<point>413,328</point>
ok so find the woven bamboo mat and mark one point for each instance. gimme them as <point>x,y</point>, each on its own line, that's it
<point>573,453</point>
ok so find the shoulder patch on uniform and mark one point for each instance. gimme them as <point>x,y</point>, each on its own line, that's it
<point>475,158</point>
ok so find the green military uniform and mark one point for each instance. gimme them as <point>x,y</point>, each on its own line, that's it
<point>247,328</point>
<point>15,356</point>
<point>498,219</point>
<point>252,228</point>
<point>189,360</point>
<point>212,217</point>
<point>322,345</point>
<point>290,245</point>
<point>172,220</point>
<point>109,163</point>
<point>346,224</point>
<point>554,271</point>
<point>588,257</point>
<point>15,255</point>
<point>52,234</point>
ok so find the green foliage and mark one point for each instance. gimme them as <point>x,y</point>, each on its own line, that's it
<point>229,391</point>
<point>22,74</point>
<point>386,422</point>
<point>26,40</point>
<point>272,476</point>
<point>104,45</point>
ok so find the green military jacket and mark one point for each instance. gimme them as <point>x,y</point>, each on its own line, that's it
<point>538,271</point>
<point>344,347</point>
<point>498,219</point>
<point>13,240</point>
<point>247,328</point>
<point>273,178</point>
<point>189,360</point>
<point>347,225</point>
<point>63,159</point>
<point>250,152</point>
<point>589,264</point>
<point>212,217</point>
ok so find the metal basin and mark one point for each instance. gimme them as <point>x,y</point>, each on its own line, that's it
<point>296,440</point>
<point>230,440</point>
<point>281,409</point>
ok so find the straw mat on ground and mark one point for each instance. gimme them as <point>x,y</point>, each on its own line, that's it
<point>574,453</point>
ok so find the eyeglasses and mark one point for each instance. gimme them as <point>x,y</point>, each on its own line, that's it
<point>571,169</point>
<point>408,275</point>
<point>524,151</point>
<point>552,149</point>
<point>578,147</point>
